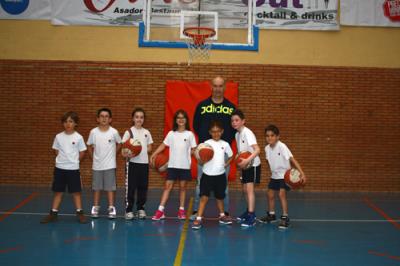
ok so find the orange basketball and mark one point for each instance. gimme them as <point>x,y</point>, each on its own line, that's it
<point>243,155</point>
<point>204,152</point>
<point>132,147</point>
<point>161,162</point>
<point>292,179</point>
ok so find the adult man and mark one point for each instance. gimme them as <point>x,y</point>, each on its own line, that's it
<point>216,107</point>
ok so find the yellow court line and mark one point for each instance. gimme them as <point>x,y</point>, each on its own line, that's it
<point>181,247</point>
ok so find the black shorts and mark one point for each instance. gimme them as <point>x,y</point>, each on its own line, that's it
<point>63,179</point>
<point>251,175</point>
<point>277,184</point>
<point>179,174</point>
<point>215,183</point>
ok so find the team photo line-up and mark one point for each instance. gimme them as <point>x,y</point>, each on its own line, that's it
<point>215,131</point>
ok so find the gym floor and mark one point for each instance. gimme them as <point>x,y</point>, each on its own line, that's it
<point>326,229</point>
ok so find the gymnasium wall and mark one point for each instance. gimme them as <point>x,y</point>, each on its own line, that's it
<point>341,123</point>
<point>335,96</point>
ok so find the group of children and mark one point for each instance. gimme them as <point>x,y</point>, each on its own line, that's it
<point>104,144</point>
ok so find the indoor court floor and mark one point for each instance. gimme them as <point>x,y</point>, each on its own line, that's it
<point>326,229</point>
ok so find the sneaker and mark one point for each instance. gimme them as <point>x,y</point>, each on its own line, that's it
<point>284,223</point>
<point>225,220</point>
<point>249,221</point>
<point>159,215</point>
<point>242,217</point>
<point>95,211</point>
<point>196,224</point>
<point>193,216</point>
<point>181,214</point>
<point>50,218</point>
<point>269,218</point>
<point>81,217</point>
<point>141,214</point>
<point>112,212</point>
<point>129,216</point>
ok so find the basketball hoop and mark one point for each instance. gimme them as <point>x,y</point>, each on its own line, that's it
<point>199,42</point>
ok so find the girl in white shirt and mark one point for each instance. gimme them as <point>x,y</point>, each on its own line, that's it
<point>181,142</point>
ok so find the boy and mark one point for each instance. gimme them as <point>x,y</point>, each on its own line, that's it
<point>251,167</point>
<point>69,148</point>
<point>280,159</point>
<point>103,144</point>
<point>214,176</point>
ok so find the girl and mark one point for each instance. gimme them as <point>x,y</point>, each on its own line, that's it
<point>181,143</point>
<point>138,166</point>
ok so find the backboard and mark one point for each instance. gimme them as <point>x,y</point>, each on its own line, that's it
<point>232,20</point>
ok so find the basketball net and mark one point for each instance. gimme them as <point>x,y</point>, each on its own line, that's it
<point>199,43</point>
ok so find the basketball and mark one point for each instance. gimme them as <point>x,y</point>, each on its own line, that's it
<point>292,179</point>
<point>161,162</point>
<point>243,155</point>
<point>132,146</point>
<point>204,152</point>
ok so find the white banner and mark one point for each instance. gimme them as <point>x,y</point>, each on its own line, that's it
<point>370,13</point>
<point>25,9</point>
<point>297,14</point>
<point>97,12</point>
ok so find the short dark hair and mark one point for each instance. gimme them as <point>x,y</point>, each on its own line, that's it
<point>71,114</point>
<point>175,125</point>
<point>272,128</point>
<point>239,113</point>
<point>215,123</point>
<point>138,109</point>
<point>104,110</point>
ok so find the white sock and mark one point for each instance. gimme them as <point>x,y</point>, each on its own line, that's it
<point>54,210</point>
<point>161,208</point>
<point>182,208</point>
<point>221,214</point>
<point>272,213</point>
<point>198,218</point>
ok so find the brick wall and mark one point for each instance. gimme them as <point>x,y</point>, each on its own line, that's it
<point>341,123</point>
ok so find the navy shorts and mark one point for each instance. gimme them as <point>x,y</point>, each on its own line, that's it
<point>63,179</point>
<point>179,174</point>
<point>277,184</point>
<point>251,175</point>
<point>216,183</point>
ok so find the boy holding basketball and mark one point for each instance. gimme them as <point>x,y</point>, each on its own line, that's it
<point>251,167</point>
<point>280,159</point>
<point>214,176</point>
<point>103,144</point>
<point>69,148</point>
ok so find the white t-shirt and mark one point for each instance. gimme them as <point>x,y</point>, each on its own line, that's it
<point>144,136</point>
<point>216,166</point>
<point>180,145</point>
<point>104,148</point>
<point>279,159</point>
<point>68,147</point>
<point>244,140</point>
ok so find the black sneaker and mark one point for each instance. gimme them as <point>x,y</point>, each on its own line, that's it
<point>50,218</point>
<point>81,217</point>
<point>284,223</point>
<point>269,218</point>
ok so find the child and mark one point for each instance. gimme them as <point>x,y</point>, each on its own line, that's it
<point>246,141</point>
<point>181,143</point>
<point>279,158</point>
<point>70,148</point>
<point>103,144</point>
<point>137,169</point>
<point>214,176</point>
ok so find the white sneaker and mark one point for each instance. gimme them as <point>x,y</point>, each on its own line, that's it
<point>129,216</point>
<point>141,214</point>
<point>112,212</point>
<point>95,211</point>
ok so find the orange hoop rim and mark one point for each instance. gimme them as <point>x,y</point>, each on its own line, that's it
<point>202,34</point>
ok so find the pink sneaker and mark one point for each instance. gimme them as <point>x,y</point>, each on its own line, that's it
<point>181,214</point>
<point>159,215</point>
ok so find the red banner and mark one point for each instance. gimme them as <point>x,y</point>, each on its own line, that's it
<point>186,95</point>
